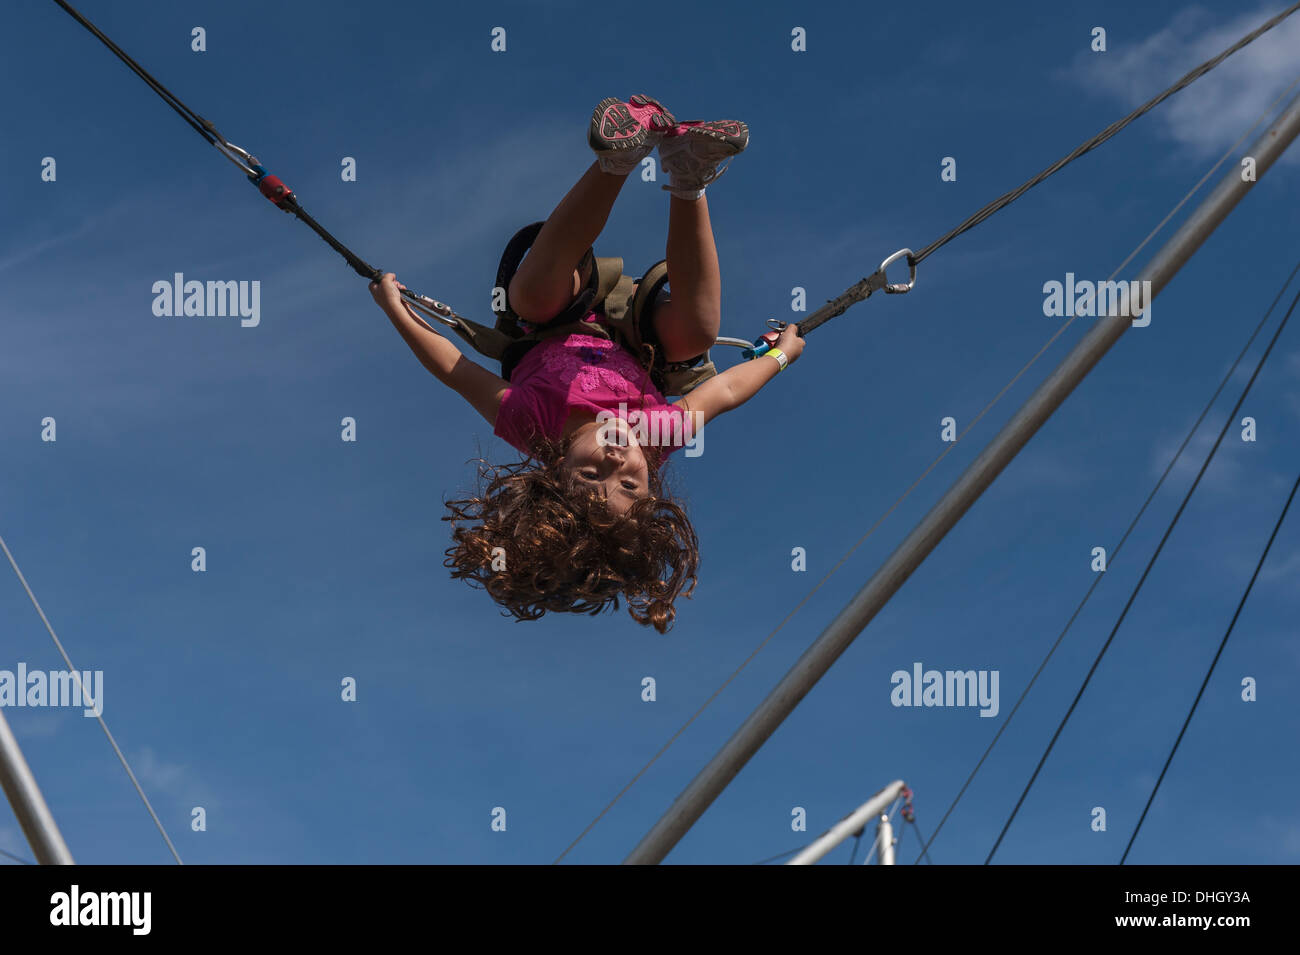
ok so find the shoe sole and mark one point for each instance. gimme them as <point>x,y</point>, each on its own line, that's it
<point>720,139</point>
<point>614,127</point>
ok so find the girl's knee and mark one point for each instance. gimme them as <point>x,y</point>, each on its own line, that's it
<point>685,332</point>
<point>697,343</point>
<point>540,301</point>
<point>522,298</point>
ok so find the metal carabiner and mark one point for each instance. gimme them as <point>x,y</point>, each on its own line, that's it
<point>242,153</point>
<point>430,307</point>
<point>897,288</point>
<point>734,342</point>
<point>875,282</point>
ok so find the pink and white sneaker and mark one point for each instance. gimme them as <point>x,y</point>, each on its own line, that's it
<point>624,133</point>
<point>691,153</point>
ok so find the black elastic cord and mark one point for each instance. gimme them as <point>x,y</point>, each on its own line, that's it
<point>200,125</point>
<point>858,292</point>
<point>214,138</point>
<point>1005,200</point>
<point>1210,672</point>
<point>360,266</point>
<point>1151,563</point>
<point>834,307</point>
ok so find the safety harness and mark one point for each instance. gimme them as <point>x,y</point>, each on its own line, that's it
<point>626,304</point>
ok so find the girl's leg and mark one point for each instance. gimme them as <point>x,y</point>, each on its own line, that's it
<point>547,279</point>
<point>687,324</point>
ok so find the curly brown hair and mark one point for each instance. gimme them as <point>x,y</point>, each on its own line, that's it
<point>565,550</point>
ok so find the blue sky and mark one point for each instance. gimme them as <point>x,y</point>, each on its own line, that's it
<point>324,558</point>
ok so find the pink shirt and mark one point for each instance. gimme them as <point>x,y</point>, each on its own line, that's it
<point>584,373</point>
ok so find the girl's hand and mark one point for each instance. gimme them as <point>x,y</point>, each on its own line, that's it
<point>387,293</point>
<point>790,343</point>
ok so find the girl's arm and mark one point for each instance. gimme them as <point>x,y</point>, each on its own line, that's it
<point>482,389</point>
<point>733,387</point>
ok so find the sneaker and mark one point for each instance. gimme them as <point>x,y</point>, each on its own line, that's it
<point>624,133</point>
<point>690,153</point>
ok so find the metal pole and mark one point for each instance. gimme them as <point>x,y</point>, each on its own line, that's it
<point>884,841</point>
<point>29,805</point>
<point>835,639</point>
<point>853,822</point>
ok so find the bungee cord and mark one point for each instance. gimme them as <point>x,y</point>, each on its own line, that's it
<point>1192,76</point>
<point>916,483</point>
<point>271,186</point>
<point>877,280</point>
<point>282,197</point>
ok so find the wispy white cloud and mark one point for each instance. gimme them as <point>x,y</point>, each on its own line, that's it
<point>1283,835</point>
<point>1214,111</point>
<point>36,724</point>
<point>1143,783</point>
<point>1045,473</point>
<point>432,218</point>
<point>174,781</point>
<point>1281,567</point>
<point>1225,473</point>
<point>29,249</point>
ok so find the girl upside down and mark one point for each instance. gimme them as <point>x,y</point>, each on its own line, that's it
<point>585,518</point>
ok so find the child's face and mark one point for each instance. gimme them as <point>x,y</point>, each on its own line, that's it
<point>620,475</point>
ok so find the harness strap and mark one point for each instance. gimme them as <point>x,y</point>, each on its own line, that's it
<point>651,284</point>
<point>488,342</point>
<point>608,290</point>
<point>603,276</point>
<point>588,298</point>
